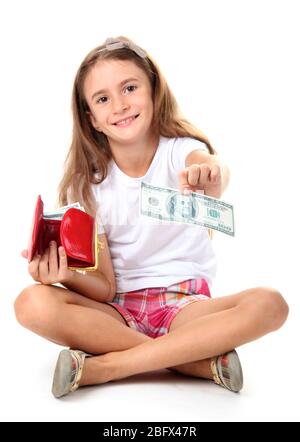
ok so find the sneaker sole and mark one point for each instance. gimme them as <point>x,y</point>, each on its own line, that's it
<point>62,374</point>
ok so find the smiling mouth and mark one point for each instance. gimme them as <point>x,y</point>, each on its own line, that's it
<point>126,121</point>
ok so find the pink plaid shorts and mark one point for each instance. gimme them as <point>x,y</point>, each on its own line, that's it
<point>151,311</point>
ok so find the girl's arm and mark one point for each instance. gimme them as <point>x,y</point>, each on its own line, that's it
<point>206,172</point>
<point>98,285</point>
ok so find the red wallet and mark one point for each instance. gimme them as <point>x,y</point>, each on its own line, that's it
<point>76,232</point>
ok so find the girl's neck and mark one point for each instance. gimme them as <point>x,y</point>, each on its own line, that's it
<point>135,159</point>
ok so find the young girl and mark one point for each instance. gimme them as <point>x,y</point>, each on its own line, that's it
<point>148,305</point>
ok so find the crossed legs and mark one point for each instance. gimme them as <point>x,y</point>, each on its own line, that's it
<point>199,331</point>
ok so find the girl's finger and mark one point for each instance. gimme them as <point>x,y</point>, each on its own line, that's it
<point>183,180</point>
<point>204,174</point>
<point>44,267</point>
<point>64,271</point>
<point>215,174</point>
<point>63,262</point>
<point>53,261</point>
<point>33,267</point>
<point>24,253</point>
<point>194,175</point>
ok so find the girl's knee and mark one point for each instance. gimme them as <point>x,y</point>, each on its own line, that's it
<point>32,306</point>
<point>273,307</point>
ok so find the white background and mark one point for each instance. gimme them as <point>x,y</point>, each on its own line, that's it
<point>234,67</point>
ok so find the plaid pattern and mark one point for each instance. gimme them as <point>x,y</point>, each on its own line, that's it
<point>151,311</point>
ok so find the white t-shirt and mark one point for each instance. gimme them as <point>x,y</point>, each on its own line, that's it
<point>146,252</point>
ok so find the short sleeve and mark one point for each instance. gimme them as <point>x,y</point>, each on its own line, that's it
<point>182,147</point>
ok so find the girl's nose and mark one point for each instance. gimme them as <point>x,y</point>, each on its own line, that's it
<point>119,105</point>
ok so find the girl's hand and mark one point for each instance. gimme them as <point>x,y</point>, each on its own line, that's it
<point>201,177</point>
<point>49,269</point>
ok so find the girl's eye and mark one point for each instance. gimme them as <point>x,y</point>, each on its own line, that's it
<point>130,88</point>
<point>102,100</point>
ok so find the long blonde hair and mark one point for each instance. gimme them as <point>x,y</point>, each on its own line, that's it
<point>89,153</point>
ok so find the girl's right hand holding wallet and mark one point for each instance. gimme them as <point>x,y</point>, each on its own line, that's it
<point>59,247</point>
<point>51,267</point>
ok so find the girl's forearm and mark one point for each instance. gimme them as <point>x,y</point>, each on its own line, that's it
<point>92,285</point>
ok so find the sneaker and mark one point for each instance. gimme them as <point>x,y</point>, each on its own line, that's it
<point>68,372</point>
<point>227,371</point>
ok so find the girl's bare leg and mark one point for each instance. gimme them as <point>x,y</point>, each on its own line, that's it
<point>73,320</point>
<point>211,330</point>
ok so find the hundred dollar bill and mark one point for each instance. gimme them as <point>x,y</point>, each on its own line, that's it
<point>59,213</point>
<point>170,205</point>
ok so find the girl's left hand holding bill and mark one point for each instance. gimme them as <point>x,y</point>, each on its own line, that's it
<point>51,267</point>
<point>202,176</point>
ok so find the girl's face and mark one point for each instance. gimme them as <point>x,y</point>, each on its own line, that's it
<point>119,96</point>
